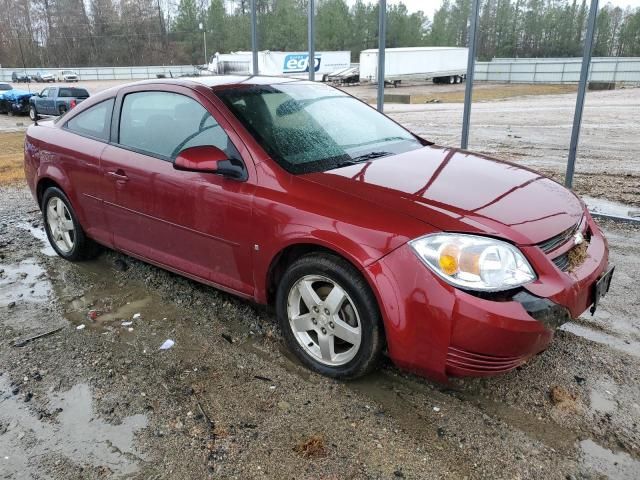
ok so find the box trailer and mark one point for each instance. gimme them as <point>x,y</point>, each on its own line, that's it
<point>294,64</point>
<point>441,64</point>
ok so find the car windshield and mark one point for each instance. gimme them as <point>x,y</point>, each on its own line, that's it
<point>309,127</point>
<point>73,92</point>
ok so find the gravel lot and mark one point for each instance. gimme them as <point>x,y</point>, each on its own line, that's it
<point>228,401</point>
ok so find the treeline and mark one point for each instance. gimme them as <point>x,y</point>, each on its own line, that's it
<point>152,32</point>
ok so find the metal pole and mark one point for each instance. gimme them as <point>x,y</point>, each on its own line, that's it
<point>582,87</point>
<point>204,39</point>
<point>382,34</point>
<point>311,40</point>
<point>468,88</point>
<point>254,37</point>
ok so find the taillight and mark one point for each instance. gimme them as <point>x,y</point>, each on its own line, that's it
<point>73,103</point>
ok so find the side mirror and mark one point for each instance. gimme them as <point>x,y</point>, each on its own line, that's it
<point>209,159</point>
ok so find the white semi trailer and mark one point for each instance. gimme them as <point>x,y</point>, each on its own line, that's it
<point>294,64</point>
<point>441,64</point>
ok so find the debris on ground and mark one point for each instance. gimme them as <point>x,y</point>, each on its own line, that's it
<point>127,324</point>
<point>167,344</point>
<point>312,448</point>
<point>93,314</point>
<point>23,342</point>
<point>81,326</point>
<point>580,380</point>
<point>136,316</point>
<point>563,398</point>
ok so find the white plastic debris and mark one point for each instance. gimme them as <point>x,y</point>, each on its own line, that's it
<point>167,345</point>
<point>126,324</point>
<point>436,409</point>
<point>130,329</point>
<point>136,316</point>
<point>80,327</point>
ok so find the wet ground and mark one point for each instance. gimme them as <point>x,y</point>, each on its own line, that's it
<point>97,398</point>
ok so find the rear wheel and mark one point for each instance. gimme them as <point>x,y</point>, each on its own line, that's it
<point>452,80</point>
<point>63,229</point>
<point>62,109</point>
<point>329,317</point>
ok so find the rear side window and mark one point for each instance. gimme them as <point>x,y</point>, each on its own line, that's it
<point>73,92</point>
<point>94,122</point>
<point>165,123</point>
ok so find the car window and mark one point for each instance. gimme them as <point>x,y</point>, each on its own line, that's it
<point>164,123</point>
<point>44,93</point>
<point>94,121</point>
<point>73,92</point>
<point>312,127</point>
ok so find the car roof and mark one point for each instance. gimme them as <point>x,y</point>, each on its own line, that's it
<point>216,81</point>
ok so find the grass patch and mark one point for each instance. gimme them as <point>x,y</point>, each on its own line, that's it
<point>488,93</point>
<point>11,157</point>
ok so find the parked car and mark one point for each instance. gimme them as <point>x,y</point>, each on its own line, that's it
<point>68,76</point>
<point>364,236</point>
<point>56,101</point>
<point>13,101</point>
<point>5,86</point>
<point>17,77</point>
<point>44,77</point>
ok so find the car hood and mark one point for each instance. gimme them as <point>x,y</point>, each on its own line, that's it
<point>455,190</point>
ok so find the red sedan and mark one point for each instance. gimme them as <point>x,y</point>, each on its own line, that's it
<point>364,236</point>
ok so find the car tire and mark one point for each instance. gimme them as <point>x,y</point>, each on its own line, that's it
<point>63,229</point>
<point>62,110</point>
<point>33,113</point>
<point>356,316</point>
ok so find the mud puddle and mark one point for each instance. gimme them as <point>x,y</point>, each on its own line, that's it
<point>602,461</point>
<point>25,281</point>
<point>73,432</point>
<point>397,396</point>
<point>108,305</point>
<point>628,346</point>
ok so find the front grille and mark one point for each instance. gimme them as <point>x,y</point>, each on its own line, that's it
<point>562,262</point>
<point>563,237</point>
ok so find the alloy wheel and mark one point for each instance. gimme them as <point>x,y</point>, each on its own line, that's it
<point>60,225</point>
<point>324,320</point>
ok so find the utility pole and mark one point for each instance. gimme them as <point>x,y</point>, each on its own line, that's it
<point>204,41</point>
<point>582,90</point>
<point>382,34</point>
<point>310,41</point>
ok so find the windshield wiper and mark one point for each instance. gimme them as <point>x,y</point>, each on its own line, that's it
<point>369,156</point>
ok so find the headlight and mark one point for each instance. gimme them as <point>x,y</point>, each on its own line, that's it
<point>473,262</point>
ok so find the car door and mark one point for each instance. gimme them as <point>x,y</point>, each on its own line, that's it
<point>47,101</point>
<point>194,223</point>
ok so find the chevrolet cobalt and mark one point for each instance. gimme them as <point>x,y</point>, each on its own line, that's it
<point>365,238</point>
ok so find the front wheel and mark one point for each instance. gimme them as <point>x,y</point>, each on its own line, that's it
<point>329,317</point>
<point>63,229</point>
<point>33,113</point>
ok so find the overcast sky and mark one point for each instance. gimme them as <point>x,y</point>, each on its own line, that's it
<point>430,6</point>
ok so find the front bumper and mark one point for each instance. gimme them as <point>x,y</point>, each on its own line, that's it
<point>438,331</point>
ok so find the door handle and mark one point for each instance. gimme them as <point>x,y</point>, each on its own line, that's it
<point>119,175</point>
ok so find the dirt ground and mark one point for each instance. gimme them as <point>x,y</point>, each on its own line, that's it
<point>228,401</point>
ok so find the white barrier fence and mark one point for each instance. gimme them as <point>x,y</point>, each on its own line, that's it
<point>558,70</point>
<point>106,73</point>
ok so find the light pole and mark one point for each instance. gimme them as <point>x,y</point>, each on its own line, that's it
<point>204,40</point>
